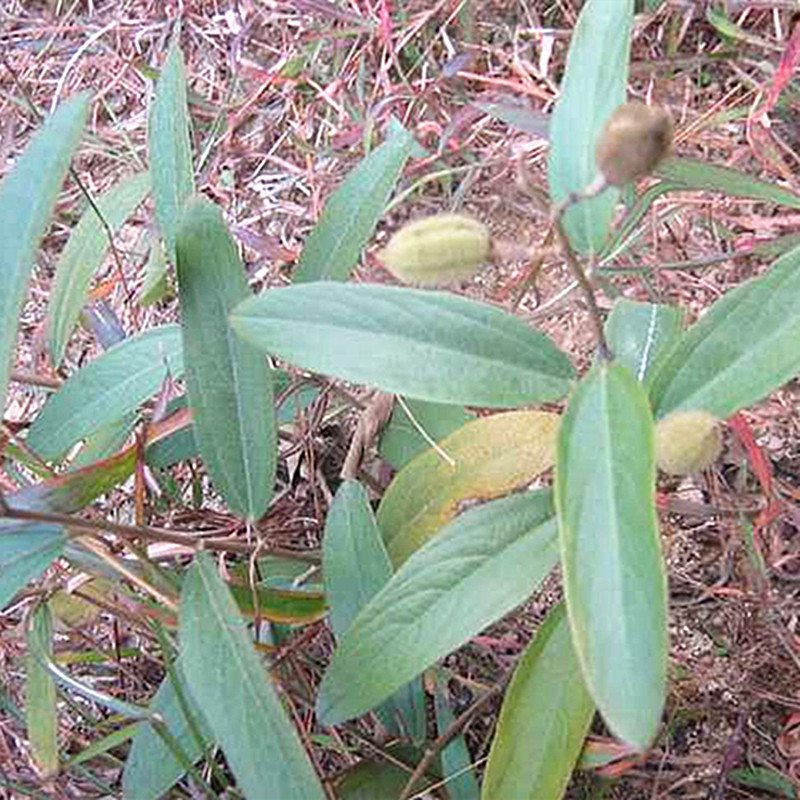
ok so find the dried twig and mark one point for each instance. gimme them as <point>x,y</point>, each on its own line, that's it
<point>456,727</point>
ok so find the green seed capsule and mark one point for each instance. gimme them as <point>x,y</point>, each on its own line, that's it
<point>687,441</point>
<point>635,138</point>
<point>437,250</point>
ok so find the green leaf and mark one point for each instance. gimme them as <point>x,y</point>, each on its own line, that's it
<point>75,611</point>
<point>744,347</point>
<point>498,552</point>
<point>518,114</point>
<point>623,236</point>
<point>72,491</point>
<point>768,780</point>
<point>289,406</point>
<point>543,722</point>
<point>169,148</point>
<point>692,173</point>
<point>82,257</point>
<point>230,684</point>
<point>356,567</point>
<point>374,780</point>
<point>457,765</point>
<point>105,441</point>
<point>27,197</point>
<point>26,551</point>
<point>610,550</point>
<point>102,322</point>
<point>354,560</point>
<point>181,445</point>
<point>683,174</point>
<point>103,745</point>
<point>228,382</point>
<point>430,345</point>
<point>489,457</point>
<point>151,769</point>
<point>40,694</point>
<point>728,29</point>
<point>280,605</point>
<point>593,86</point>
<point>352,212</point>
<point>641,334</point>
<point>156,283</point>
<point>401,439</point>
<point>106,389</point>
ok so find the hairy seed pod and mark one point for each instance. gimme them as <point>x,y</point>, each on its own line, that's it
<point>437,250</point>
<point>687,441</point>
<point>633,141</point>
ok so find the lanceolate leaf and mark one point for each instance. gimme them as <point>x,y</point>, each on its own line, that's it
<point>544,720</point>
<point>74,490</point>
<point>498,552</point>
<point>180,444</point>
<point>377,780</point>
<point>692,173</point>
<point>156,284</point>
<point>103,322</point>
<point>106,389</point>
<point>356,567</point>
<point>111,741</point>
<point>593,85</point>
<point>746,346</point>
<point>26,551</point>
<point>83,255</point>
<point>169,148</point>
<point>457,763</point>
<point>517,113</point>
<point>280,605</point>
<point>766,779</point>
<point>352,212</point>
<point>623,236</point>
<point>682,174</point>
<point>641,335</point>
<point>610,551</point>
<point>230,684</point>
<point>40,694</point>
<point>489,457</point>
<point>228,381</point>
<point>354,560</point>
<point>430,345</point>
<point>105,441</point>
<point>27,197</point>
<point>151,768</point>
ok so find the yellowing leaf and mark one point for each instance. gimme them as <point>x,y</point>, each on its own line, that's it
<point>40,695</point>
<point>489,458</point>
<point>76,611</point>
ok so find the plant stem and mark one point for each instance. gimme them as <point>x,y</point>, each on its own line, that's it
<point>145,532</point>
<point>580,275</point>
<point>458,725</point>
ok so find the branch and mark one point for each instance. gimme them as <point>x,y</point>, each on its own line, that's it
<point>577,269</point>
<point>456,727</point>
<point>147,533</point>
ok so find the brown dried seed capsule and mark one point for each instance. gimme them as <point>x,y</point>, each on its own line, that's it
<point>633,141</point>
<point>687,441</point>
<point>437,250</point>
